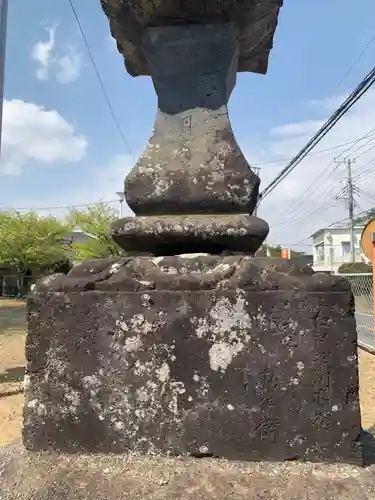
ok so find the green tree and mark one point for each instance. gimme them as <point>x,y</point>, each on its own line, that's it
<point>30,243</point>
<point>95,221</point>
<point>276,251</point>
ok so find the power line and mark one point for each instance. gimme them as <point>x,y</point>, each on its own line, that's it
<point>302,199</point>
<point>362,192</point>
<point>364,173</point>
<point>117,123</point>
<point>367,46</point>
<point>361,89</point>
<point>283,160</point>
<point>365,152</point>
<point>39,209</point>
<point>365,212</point>
<point>305,218</point>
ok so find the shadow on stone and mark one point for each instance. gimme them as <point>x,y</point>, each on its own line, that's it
<point>12,375</point>
<point>367,440</point>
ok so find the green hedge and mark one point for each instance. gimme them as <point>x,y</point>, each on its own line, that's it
<point>355,268</point>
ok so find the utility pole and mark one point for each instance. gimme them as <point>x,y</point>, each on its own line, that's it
<point>350,199</point>
<point>3,36</point>
<point>121,199</point>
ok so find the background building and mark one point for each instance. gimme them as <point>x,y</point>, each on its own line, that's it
<point>331,247</point>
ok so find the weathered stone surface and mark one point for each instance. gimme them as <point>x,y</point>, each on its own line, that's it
<point>257,21</point>
<point>192,163</point>
<point>200,355</point>
<point>171,235</point>
<point>25,476</point>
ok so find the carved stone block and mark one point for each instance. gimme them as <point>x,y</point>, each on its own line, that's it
<point>200,355</point>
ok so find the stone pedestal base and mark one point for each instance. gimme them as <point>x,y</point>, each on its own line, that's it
<point>201,355</point>
<point>44,476</point>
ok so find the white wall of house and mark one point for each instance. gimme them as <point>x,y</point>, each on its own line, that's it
<point>77,235</point>
<point>331,247</point>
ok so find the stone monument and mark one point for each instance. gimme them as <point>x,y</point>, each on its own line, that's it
<point>191,348</point>
<point>196,348</point>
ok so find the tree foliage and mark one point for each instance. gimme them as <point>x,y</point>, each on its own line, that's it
<point>30,243</point>
<point>364,218</point>
<point>95,221</point>
<point>354,268</point>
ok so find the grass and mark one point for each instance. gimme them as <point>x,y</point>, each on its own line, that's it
<point>12,361</point>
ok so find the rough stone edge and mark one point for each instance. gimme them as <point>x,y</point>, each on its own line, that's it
<point>17,473</point>
<point>84,276</point>
<point>136,62</point>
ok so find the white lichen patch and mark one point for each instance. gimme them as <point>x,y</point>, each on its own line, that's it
<point>221,355</point>
<point>221,268</point>
<point>164,372</point>
<point>294,381</point>
<point>147,284</point>
<point>137,325</point>
<point>262,349</point>
<point>72,400</point>
<point>203,387</point>
<point>114,269</point>
<point>132,344</point>
<point>47,280</point>
<point>193,255</point>
<point>37,407</point>
<point>227,326</point>
<point>300,366</point>
<point>26,382</point>
<point>146,300</point>
<point>203,450</point>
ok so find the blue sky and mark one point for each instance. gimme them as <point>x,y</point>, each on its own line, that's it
<point>61,145</point>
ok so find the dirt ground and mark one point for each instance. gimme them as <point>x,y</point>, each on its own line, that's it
<point>12,341</point>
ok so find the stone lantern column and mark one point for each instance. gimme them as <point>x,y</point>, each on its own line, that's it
<point>192,190</point>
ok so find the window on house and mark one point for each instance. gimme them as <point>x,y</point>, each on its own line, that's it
<point>320,252</point>
<point>345,248</point>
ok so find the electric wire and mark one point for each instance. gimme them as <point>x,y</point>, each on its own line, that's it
<point>345,107</point>
<point>320,179</point>
<point>100,80</point>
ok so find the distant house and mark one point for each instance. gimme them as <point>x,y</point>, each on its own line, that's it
<point>331,247</point>
<point>78,235</point>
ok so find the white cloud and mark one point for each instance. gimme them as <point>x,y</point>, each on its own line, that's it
<point>42,53</point>
<point>297,129</point>
<point>69,66</point>
<point>53,60</point>
<point>32,133</point>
